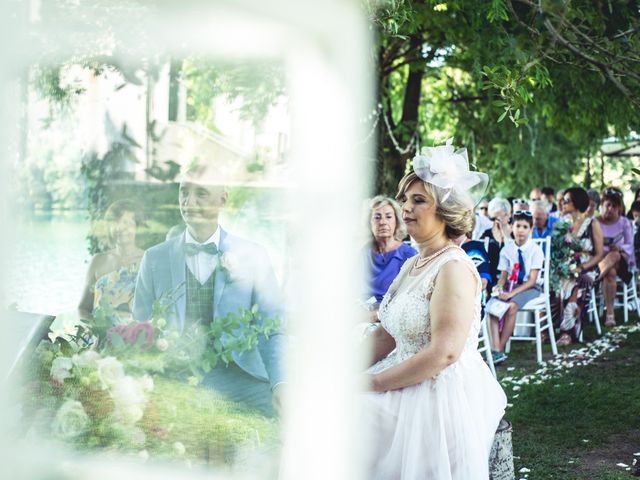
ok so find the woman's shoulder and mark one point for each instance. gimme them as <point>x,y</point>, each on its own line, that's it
<point>102,263</point>
<point>456,264</point>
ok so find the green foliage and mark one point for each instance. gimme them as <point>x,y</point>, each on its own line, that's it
<point>565,250</point>
<point>498,78</point>
<point>259,85</point>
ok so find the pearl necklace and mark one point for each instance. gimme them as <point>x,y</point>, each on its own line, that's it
<point>421,262</point>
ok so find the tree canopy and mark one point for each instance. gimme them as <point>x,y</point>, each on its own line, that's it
<point>530,88</point>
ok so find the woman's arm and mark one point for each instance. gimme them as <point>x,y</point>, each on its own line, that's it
<point>451,311</point>
<point>383,344</point>
<point>85,307</point>
<point>598,247</point>
<point>626,246</point>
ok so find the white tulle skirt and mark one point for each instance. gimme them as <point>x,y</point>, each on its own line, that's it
<point>440,429</point>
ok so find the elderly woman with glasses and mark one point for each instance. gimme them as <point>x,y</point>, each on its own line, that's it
<point>576,290</point>
<point>618,248</point>
<point>386,253</point>
<point>500,231</point>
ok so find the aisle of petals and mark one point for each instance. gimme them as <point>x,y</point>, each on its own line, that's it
<point>565,361</point>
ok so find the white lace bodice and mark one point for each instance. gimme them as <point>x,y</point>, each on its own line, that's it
<point>404,311</point>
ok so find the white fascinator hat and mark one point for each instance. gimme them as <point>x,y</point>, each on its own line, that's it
<point>447,169</point>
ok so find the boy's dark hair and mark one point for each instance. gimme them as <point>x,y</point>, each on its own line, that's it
<point>547,191</point>
<point>579,198</point>
<point>635,206</point>
<point>523,215</point>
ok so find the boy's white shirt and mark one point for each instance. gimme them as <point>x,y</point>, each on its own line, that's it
<point>532,254</point>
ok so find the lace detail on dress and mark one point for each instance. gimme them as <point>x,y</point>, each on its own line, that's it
<point>404,311</point>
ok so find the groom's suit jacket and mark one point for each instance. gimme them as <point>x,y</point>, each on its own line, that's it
<point>249,281</point>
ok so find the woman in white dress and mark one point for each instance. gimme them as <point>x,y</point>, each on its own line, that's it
<point>434,406</point>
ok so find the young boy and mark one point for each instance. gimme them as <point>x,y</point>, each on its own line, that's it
<point>528,255</point>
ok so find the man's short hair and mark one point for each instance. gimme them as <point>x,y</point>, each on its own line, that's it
<point>548,191</point>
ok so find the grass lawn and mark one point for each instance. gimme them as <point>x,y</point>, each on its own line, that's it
<point>581,424</point>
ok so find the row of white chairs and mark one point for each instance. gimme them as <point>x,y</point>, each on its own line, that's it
<point>539,309</point>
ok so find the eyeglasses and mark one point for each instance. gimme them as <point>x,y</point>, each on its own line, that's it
<point>523,213</point>
<point>519,201</point>
<point>613,191</point>
<point>483,208</point>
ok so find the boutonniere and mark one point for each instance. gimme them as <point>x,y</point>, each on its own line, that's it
<point>229,263</point>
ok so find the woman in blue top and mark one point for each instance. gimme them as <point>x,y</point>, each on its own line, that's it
<point>387,252</point>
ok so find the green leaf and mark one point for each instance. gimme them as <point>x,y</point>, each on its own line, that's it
<point>501,117</point>
<point>117,342</point>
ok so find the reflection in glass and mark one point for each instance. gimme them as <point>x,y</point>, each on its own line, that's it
<point>168,177</point>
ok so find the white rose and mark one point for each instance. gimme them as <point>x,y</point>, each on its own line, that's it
<point>162,344</point>
<point>146,382</point>
<point>110,371</point>
<point>178,447</point>
<point>70,421</point>
<point>61,369</point>
<point>128,397</point>
<point>86,358</point>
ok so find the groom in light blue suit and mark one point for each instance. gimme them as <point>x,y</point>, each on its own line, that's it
<point>221,274</point>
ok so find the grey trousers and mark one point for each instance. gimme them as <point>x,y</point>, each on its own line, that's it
<point>236,385</point>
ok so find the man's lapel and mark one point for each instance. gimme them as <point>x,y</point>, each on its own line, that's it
<point>178,265</point>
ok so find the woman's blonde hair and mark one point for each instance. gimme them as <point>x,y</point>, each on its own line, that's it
<point>380,201</point>
<point>457,217</point>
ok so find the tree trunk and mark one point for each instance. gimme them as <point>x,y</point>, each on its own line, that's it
<point>391,161</point>
<point>174,89</point>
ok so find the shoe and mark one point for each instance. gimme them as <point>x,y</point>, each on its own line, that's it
<point>498,357</point>
<point>565,339</point>
<point>610,321</point>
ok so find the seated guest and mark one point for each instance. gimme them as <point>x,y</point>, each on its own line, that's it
<point>475,250</point>
<point>519,204</point>
<point>529,258</point>
<point>635,220</point>
<point>542,223</point>
<point>618,248</point>
<point>500,231</point>
<point>535,195</point>
<point>481,223</point>
<point>387,252</point>
<point>594,202</point>
<point>548,196</point>
<point>111,276</point>
<point>576,291</point>
<point>558,212</point>
<point>483,208</point>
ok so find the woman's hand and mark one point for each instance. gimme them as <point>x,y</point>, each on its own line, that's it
<point>372,384</point>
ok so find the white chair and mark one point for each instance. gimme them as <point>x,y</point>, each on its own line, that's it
<point>592,313</point>
<point>626,297</point>
<point>630,297</point>
<point>540,308</point>
<point>484,344</point>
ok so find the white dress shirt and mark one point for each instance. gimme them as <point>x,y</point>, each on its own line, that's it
<point>531,254</point>
<point>202,264</point>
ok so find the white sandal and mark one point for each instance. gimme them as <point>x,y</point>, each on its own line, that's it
<point>610,321</point>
